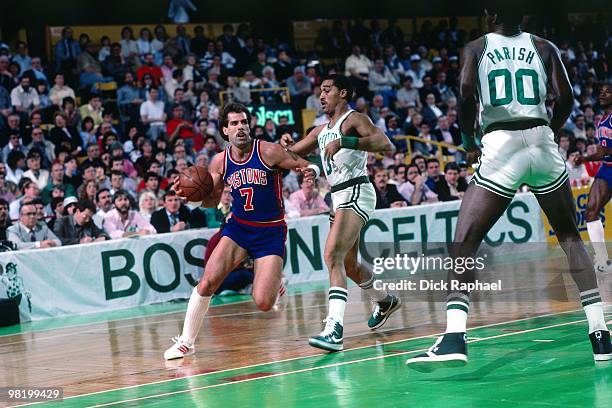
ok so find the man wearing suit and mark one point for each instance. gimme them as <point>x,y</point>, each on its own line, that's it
<point>173,217</point>
<point>27,233</point>
<point>79,228</point>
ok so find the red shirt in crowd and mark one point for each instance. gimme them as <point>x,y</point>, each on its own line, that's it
<point>155,72</point>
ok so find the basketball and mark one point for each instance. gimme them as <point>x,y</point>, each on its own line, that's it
<point>196,183</point>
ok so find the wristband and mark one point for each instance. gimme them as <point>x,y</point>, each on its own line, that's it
<point>349,142</point>
<point>315,168</point>
<point>468,141</point>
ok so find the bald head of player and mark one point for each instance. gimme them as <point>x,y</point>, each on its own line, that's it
<point>336,91</point>
<point>235,124</point>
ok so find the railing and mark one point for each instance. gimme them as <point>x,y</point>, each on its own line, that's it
<point>439,153</point>
<point>285,96</point>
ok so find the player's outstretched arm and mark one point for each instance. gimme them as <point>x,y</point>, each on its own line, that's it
<point>305,146</point>
<point>274,155</point>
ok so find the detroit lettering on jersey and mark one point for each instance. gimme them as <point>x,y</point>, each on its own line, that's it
<point>510,53</point>
<point>603,133</point>
<point>247,176</point>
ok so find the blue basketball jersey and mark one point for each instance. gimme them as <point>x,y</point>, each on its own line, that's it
<point>603,134</point>
<point>255,187</point>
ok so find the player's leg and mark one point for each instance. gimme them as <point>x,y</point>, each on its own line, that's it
<point>385,303</point>
<point>479,211</point>
<point>267,282</point>
<point>225,257</point>
<point>342,236</point>
<point>599,196</point>
<point>560,208</point>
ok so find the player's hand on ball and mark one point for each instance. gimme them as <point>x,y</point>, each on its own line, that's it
<point>176,186</point>
<point>332,148</point>
<point>286,140</point>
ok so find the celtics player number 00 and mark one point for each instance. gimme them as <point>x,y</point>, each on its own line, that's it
<point>520,76</point>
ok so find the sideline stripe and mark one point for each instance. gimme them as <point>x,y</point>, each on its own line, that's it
<point>378,344</point>
<point>327,366</point>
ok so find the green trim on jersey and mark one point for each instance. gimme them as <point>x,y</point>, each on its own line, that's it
<point>539,56</point>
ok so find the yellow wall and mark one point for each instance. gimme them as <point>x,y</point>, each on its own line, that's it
<point>581,196</point>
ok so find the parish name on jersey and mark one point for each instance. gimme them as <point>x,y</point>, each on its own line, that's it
<point>510,53</point>
<point>247,176</point>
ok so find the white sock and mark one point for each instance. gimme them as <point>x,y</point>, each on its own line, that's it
<point>337,303</point>
<point>457,308</point>
<point>374,294</point>
<point>595,316</point>
<point>196,310</point>
<point>596,235</point>
<point>456,321</point>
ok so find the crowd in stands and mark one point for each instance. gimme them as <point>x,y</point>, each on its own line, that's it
<point>83,160</point>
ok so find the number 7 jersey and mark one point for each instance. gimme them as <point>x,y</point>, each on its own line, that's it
<point>511,80</point>
<point>256,188</point>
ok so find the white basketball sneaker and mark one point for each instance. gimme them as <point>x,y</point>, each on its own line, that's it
<point>179,349</point>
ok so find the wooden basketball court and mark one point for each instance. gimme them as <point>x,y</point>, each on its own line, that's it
<point>522,353</point>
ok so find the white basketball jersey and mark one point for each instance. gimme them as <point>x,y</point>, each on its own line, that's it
<point>511,80</point>
<point>347,164</point>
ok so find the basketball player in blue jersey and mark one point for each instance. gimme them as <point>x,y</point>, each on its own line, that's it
<point>257,227</point>
<point>509,71</point>
<point>344,143</point>
<point>601,189</point>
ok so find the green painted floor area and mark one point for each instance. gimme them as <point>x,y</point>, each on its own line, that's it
<point>537,362</point>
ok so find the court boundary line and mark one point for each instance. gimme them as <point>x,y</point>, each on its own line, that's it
<point>325,366</point>
<point>311,356</point>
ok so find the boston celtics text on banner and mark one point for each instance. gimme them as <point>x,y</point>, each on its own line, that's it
<point>138,271</point>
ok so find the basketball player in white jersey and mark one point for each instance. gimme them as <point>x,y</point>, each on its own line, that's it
<point>508,72</point>
<point>344,143</point>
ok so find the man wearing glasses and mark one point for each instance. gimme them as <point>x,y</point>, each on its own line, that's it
<point>28,233</point>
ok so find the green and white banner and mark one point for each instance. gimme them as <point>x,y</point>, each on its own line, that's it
<point>138,271</point>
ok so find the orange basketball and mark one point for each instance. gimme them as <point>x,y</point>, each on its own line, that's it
<point>196,183</point>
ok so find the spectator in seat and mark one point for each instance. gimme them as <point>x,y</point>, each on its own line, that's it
<point>79,227</point>
<point>122,222</point>
<point>56,181</point>
<point>5,220</point>
<point>104,204</point>
<point>215,216</point>
<point>60,90</point>
<point>152,114</point>
<point>456,184</point>
<point>578,175</point>
<point>63,135</point>
<point>414,189</point>
<point>387,195</point>
<point>299,87</point>
<point>29,191</point>
<point>24,98</point>
<point>28,233</point>
<point>34,172</point>
<point>44,147</point>
<point>173,217</point>
<point>149,68</point>
<point>307,199</point>
<point>147,204</point>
